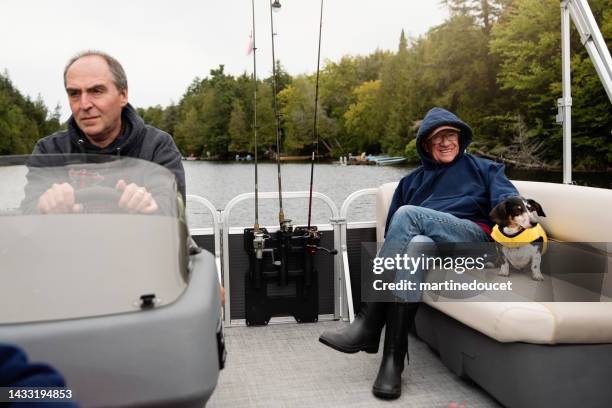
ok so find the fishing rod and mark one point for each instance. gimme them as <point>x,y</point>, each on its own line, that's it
<point>254,50</point>
<point>315,134</point>
<point>284,224</point>
<point>287,256</point>
<point>258,235</point>
<point>313,236</point>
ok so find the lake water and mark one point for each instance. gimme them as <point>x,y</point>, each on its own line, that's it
<point>220,182</point>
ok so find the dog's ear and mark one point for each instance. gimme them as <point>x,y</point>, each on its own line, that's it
<point>536,207</point>
<point>498,214</point>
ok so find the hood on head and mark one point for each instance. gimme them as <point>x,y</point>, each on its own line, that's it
<point>435,118</point>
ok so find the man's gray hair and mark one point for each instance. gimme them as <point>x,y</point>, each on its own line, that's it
<point>119,77</point>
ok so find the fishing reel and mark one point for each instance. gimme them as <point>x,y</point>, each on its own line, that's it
<point>313,240</point>
<point>259,243</point>
<point>312,235</point>
<point>285,225</point>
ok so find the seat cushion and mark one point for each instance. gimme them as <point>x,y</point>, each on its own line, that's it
<point>534,322</point>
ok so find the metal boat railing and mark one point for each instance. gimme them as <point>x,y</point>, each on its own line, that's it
<point>344,247</point>
<point>225,216</point>
<point>343,294</point>
<point>205,231</point>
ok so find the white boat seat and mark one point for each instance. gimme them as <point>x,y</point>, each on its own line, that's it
<point>573,214</point>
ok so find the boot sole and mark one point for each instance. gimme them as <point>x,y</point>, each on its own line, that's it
<point>350,350</point>
<point>386,395</point>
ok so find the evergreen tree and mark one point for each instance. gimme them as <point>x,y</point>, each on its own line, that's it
<point>22,122</point>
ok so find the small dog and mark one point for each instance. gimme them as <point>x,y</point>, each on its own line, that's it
<point>521,239</point>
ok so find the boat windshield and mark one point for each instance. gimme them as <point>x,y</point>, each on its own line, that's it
<point>93,256</point>
<point>93,179</point>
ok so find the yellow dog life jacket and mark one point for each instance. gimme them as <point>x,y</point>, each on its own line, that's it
<point>527,236</point>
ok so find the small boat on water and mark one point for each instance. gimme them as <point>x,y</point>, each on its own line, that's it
<point>372,160</point>
<point>390,161</point>
<point>385,160</point>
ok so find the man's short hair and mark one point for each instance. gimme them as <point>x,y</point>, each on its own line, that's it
<point>119,77</point>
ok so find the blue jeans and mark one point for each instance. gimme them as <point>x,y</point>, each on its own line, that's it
<point>412,231</point>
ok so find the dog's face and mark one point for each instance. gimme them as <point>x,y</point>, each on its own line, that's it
<point>515,212</point>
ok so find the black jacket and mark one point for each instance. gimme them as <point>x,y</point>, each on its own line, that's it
<point>136,140</point>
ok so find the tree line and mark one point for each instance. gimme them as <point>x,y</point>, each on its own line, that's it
<point>23,121</point>
<point>495,63</point>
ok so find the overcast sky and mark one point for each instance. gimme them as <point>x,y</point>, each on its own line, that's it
<point>163,45</point>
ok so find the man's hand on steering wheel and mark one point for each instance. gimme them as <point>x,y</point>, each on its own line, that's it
<point>59,199</point>
<point>136,198</point>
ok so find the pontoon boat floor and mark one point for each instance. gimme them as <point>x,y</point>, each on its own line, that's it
<point>284,365</point>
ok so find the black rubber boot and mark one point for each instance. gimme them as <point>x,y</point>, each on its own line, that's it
<point>361,335</point>
<point>388,384</point>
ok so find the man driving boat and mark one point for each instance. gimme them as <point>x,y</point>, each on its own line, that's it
<point>103,122</point>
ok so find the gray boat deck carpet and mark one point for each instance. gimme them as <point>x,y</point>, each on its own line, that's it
<point>284,365</point>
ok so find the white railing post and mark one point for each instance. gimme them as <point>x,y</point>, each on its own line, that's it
<point>565,103</point>
<point>344,247</point>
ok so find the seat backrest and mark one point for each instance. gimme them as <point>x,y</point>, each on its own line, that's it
<point>573,213</point>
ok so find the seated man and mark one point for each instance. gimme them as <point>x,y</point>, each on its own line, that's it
<point>447,199</point>
<point>103,122</point>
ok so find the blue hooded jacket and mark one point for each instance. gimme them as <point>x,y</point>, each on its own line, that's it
<point>468,187</point>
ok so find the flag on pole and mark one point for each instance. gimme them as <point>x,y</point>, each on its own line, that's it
<point>251,46</point>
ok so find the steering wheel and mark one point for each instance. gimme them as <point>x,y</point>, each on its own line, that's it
<point>99,199</point>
